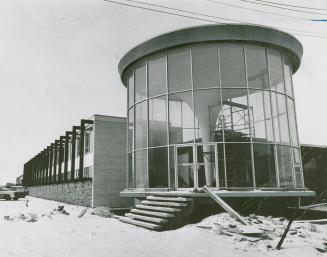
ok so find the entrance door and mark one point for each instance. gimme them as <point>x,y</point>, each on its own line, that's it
<point>196,166</point>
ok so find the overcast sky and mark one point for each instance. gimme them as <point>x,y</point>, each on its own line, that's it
<point>58,64</point>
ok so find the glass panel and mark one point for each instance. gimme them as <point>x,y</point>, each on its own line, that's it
<point>256,64</point>
<point>130,88</point>
<point>172,166</point>
<point>131,129</point>
<point>269,125</point>
<point>207,104</point>
<point>275,116</point>
<point>141,174</point>
<point>221,165</point>
<point>157,75</point>
<point>299,183</point>
<point>292,122</point>
<point>258,122</point>
<point>185,166</point>
<point>264,165</point>
<point>140,81</point>
<point>141,125</point>
<point>158,121</point>
<point>285,166</point>
<point>276,71</point>
<point>283,122</point>
<point>205,66</point>
<point>235,115</point>
<point>238,165</point>
<point>179,70</point>
<point>288,77</point>
<point>130,178</point>
<point>158,167</point>
<point>232,65</point>
<point>206,168</point>
<point>181,118</point>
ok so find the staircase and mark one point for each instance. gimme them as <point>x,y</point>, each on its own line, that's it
<point>160,213</point>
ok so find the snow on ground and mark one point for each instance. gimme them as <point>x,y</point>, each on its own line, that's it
<point>55,234</point>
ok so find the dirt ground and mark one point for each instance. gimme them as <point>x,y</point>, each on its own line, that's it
<point>39,231</point>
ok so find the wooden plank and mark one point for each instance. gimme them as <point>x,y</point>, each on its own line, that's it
<point>225,206</point>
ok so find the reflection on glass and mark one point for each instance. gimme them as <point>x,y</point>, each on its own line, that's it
<point>181,118</point>
<point>285,166</point>
<point>172,167</point>
<point>130,171</point>
<point>238,165</point>
<point>141,175</point>
<point>205,66</point>
<point>232,65</point>
<point>140,82</point>
<point>157,75</point>
<point>158,121</point>
<point>158,167</point>
<point>206,165</point>
<point>299,183</point>
<point>221,165</point>
<point>141,125</point>
<point>130,88</point>
<point>257,110</point>
<point>274,108</point>
<point>257,69</point>
<point>207,105</point>
<point>131,129</point>
<point>185,165</point>
<point>235,115</point>
<point>264,165</point>
<point>282,116</point>
<point>179,70</point>
<point>269,124</point>
<point>276,71</point>
<point>292,122</point>
<point>288,77</point>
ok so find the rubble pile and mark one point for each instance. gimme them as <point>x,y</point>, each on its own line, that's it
<point>264,231</point>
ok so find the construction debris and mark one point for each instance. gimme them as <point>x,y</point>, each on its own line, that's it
<point>268,230</point>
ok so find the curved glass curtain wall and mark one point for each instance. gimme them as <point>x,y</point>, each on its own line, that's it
<point>239,97</point>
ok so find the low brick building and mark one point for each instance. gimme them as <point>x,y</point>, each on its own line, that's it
<point>86,166</point>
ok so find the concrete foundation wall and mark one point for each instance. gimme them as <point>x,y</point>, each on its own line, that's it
<point>110,162</point>
<point>77,193</point>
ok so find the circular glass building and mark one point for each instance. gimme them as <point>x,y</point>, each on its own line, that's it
<point>213,105</point>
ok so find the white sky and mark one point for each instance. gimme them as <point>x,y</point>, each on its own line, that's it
<point>59,59</point>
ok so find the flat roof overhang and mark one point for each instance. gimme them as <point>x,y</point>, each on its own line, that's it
<point>220,193</point>
<point>215,33</point>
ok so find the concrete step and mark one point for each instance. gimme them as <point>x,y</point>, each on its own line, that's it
<point>146,218</point>
<point>157,208</point>
<point>140,223</point>
<point>168,199</point>
<point>153,213</point>
<point>170,204</point>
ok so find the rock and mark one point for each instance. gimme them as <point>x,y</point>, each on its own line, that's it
<point>60,208</point>
<point>217,229</point>
<point>232,225</point>
<point>253,216</point>
<point>31,217</point>
<point>250,230</point>
<point>102,212</point>
<point>293,232</point>
<point>321,249</point>
<point>312,227</point>
<point>239,238</point>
